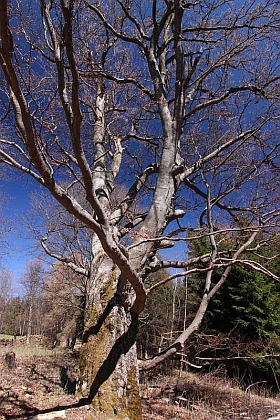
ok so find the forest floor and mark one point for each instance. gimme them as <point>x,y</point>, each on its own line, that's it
<point>36,389</point>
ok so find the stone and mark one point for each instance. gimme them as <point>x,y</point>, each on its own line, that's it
<point>52,415</point>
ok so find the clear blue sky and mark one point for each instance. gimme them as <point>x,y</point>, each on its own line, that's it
<point>17,193</point>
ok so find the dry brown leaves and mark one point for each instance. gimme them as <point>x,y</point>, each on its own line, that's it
<point>34,389</point>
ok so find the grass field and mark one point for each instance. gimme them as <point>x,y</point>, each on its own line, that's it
<point>6,337</point>
<point>19,346</point>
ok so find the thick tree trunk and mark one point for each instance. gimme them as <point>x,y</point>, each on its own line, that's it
<point>108,374</point>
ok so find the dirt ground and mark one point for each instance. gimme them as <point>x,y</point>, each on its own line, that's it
<point>35,387</point>
<point>40,388</point>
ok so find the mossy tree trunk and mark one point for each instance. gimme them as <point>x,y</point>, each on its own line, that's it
<point>108,374</point>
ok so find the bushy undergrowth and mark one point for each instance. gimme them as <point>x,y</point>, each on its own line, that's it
<point>35,386</point>
<point>206,396</point>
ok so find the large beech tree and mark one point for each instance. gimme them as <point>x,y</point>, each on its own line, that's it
<point>174,101</point>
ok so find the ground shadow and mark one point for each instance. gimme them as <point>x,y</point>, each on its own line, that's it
<point>28,411</point>
<point>68,379</point>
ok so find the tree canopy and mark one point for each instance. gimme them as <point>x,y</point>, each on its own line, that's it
<point>175,102</point>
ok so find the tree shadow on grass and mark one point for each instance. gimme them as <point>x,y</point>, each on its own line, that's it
<point>20,409</point>
<point>17,408</point>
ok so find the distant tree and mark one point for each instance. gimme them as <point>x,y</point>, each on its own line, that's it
<point>5,296</point>
<point>249,304</point>
<point>64,301</point>
<point>177,101</point>
<point>66,240</point>
<point>160,320</point>
<point>16,321</point>
<point>5,225</point>
<point>32,281</point>
<point>242,326</point>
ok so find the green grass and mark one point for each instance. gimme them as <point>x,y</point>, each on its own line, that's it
<point>6,337</point>
<point>23,350</point>
<point>26,351</point>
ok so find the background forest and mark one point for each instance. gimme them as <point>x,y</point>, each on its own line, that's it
<point>241,331</point>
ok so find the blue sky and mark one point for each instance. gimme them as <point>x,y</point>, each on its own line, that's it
<point>17,193</point>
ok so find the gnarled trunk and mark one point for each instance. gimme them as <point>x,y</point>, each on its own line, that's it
<point>108,374</point>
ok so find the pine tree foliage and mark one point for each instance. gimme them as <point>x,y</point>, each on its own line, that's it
<point>243,320</point>
<point>248,303</point>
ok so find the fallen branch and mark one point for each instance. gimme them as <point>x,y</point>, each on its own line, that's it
<point>187,362</point>
<point>221,359</point>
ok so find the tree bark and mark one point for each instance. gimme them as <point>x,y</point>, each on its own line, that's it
<point>29,323</point>
<point>108,373</point>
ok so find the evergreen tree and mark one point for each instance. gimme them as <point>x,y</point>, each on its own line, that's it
<point>248,303</point>
<point>244,319</point>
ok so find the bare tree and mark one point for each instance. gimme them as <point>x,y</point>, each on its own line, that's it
<point>4,224</point>
<point>5,296</point>
<point>178,102</point>
<point>32,281</point>
<point>65,298</point>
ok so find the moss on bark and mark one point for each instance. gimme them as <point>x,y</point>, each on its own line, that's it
<point>108,374</point>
